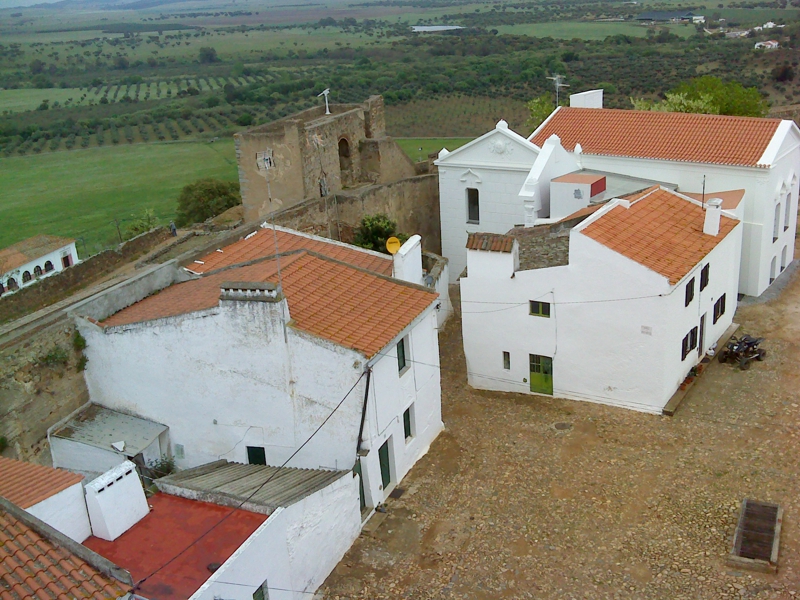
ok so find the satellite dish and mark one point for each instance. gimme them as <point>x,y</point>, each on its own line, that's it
<point>393,245</point>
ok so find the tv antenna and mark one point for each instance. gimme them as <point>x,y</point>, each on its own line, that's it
<point>325,93</point>
<point>558,82</point>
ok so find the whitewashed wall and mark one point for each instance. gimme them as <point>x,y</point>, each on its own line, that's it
<point>391,393</point>
<point>90,461</point>
<point>763,191</point>
<point>601,304</point>
<point>225,379</point>
<point>54,257</point>
<point>294,550</point>
<point>496,164</point>
<point>65,512</point>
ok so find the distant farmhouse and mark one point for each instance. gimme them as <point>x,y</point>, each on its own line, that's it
<point>768,45</point>
<point>670,17</point>
<point>27,261</point>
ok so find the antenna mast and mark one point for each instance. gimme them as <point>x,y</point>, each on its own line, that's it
<point>558,83</point>
<point>325,93</point>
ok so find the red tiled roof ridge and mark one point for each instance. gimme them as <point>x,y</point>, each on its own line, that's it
<point>656,135</point>
<point>490,242</point>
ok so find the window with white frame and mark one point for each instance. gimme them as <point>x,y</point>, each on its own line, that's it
<point>689,343</point>
<point>409,425</point>
<point>402,355</point>
<point>507,361</point>
<point>473,206</point>
<point>776,223</point>
<point>788,216</point>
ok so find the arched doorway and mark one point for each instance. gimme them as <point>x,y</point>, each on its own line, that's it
<point>345,162</point>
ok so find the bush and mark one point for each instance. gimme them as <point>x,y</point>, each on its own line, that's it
<point>56,357</point>
<point>374,230</point>
<point>244,119</point>
<point>78,341</point>
<point>162,467</point>
<point>3,443</point>
<point>208,55</point>
<point>80,366</point>
<point>204,199</point>
<point>142,224</point>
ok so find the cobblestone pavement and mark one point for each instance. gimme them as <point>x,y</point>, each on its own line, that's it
<point>618,505</point>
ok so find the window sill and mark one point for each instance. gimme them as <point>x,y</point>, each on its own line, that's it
<point>473,222</point>
<point>404,370</point>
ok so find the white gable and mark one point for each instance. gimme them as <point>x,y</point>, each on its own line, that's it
<point>499,148</point>
<point>786,139</point>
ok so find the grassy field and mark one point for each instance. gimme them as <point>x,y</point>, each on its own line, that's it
<point>419,148</point>
<point>79,194</point>
<point>587,30</point>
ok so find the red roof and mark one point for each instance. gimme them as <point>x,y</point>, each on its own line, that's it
<point>684,137</point>
<point>352,307</point>
<point>33,566</point>
<point>26,484</point>
<point>491,242</point>
<point>262,245</point>
<point>660,231</point>
<point>173,525</point>
<point>730,198</point>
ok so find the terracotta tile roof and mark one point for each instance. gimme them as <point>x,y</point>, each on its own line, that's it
<point>26,484</point>
<point>29,250</point>
<point>578,178</point>
<point>730,198</point>
<point>33,566</point>
<point>262,245</point>
<point>583,212</point>
<point>491,242</point>
<point>714,139</point>
<point>173,525</point>
<point>346,305</point>
<point>661,231</point>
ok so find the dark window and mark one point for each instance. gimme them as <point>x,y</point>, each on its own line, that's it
<point>11,284</point>
<point>407,424</point>
<point>401,355</point>
<point>2,288</point>
<point>473,206</point>
<point>787,218</point>
<point>262,593</point>
<point>506,360</point>
<point>719,308</point>
<point>690,291</point>
<point>66,261</point>
<point>689,343</point>
<point>48,266</point>
<point>776,223</point>
<point>256,455</point>
<point>704,277</point>
<point>37,271</point>
<point>540,309</point>
<point>26,277</point>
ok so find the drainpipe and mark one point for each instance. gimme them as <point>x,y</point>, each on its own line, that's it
<point>363,413</point>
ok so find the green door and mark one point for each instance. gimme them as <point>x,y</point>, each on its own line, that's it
<point>361,498</point>
<point>383,458</point>
<point>541,374</point>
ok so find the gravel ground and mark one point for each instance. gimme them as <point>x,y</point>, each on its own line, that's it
<point>617,505</point>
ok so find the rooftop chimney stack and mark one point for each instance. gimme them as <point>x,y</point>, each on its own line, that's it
<point>713,214</point>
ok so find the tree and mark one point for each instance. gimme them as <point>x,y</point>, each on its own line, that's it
<point>121,63</point>
<point>244,119</point>
<point>204,199</point>
<point>374,230</point>
<point>710,95</point>
<point>540,108</point>
<point>37,66</point>
<point>141,224</point>
<point>208,55</point>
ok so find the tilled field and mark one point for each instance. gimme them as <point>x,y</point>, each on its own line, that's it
<point>616,505</point>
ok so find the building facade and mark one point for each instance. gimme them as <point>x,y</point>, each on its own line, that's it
<point>28,261</point>
<point>636,299</point>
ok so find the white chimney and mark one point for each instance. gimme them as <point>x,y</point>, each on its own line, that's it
<point>590,99</point>
<point>407,263</point>
<point>713,214</point>
<point>116,501</point>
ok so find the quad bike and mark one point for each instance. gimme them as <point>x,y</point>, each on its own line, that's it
<point>743,350</point>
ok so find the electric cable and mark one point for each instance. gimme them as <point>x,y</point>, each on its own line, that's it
<point>137,585</point>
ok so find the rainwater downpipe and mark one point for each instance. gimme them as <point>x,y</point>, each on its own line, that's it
<point>363,412</point>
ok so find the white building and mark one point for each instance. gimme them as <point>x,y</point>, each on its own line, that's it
<point>760,156</point>
<point>687,152</point>
<point>26,262</point>
<point>302,357</point>
<point>479,185</point>
<point>617,310</point>
<point>768,45</point>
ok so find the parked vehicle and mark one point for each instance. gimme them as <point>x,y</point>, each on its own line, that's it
<point>743,350</point>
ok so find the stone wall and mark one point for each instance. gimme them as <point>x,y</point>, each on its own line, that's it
<point>35,395</point>
<point>57,287</point>
<point>413,203</point>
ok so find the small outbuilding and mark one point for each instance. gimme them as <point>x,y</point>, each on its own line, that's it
<point>30,260</point>
<point>97,439</point>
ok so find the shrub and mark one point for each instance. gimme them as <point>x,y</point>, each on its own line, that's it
<point>142,224</point>
<point>204,199</point>
<point>80,366</point>
<point>374,230</point>
<point>244,119</point>
<point>3,443</point>
<point>208,55</point>
<point>162,466</point>
<point>56,357</point>
<point>78,341</point>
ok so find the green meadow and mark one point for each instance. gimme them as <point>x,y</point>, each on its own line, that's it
<point>80,193</point>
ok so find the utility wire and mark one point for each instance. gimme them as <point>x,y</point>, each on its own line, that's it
<point>137,585</point>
